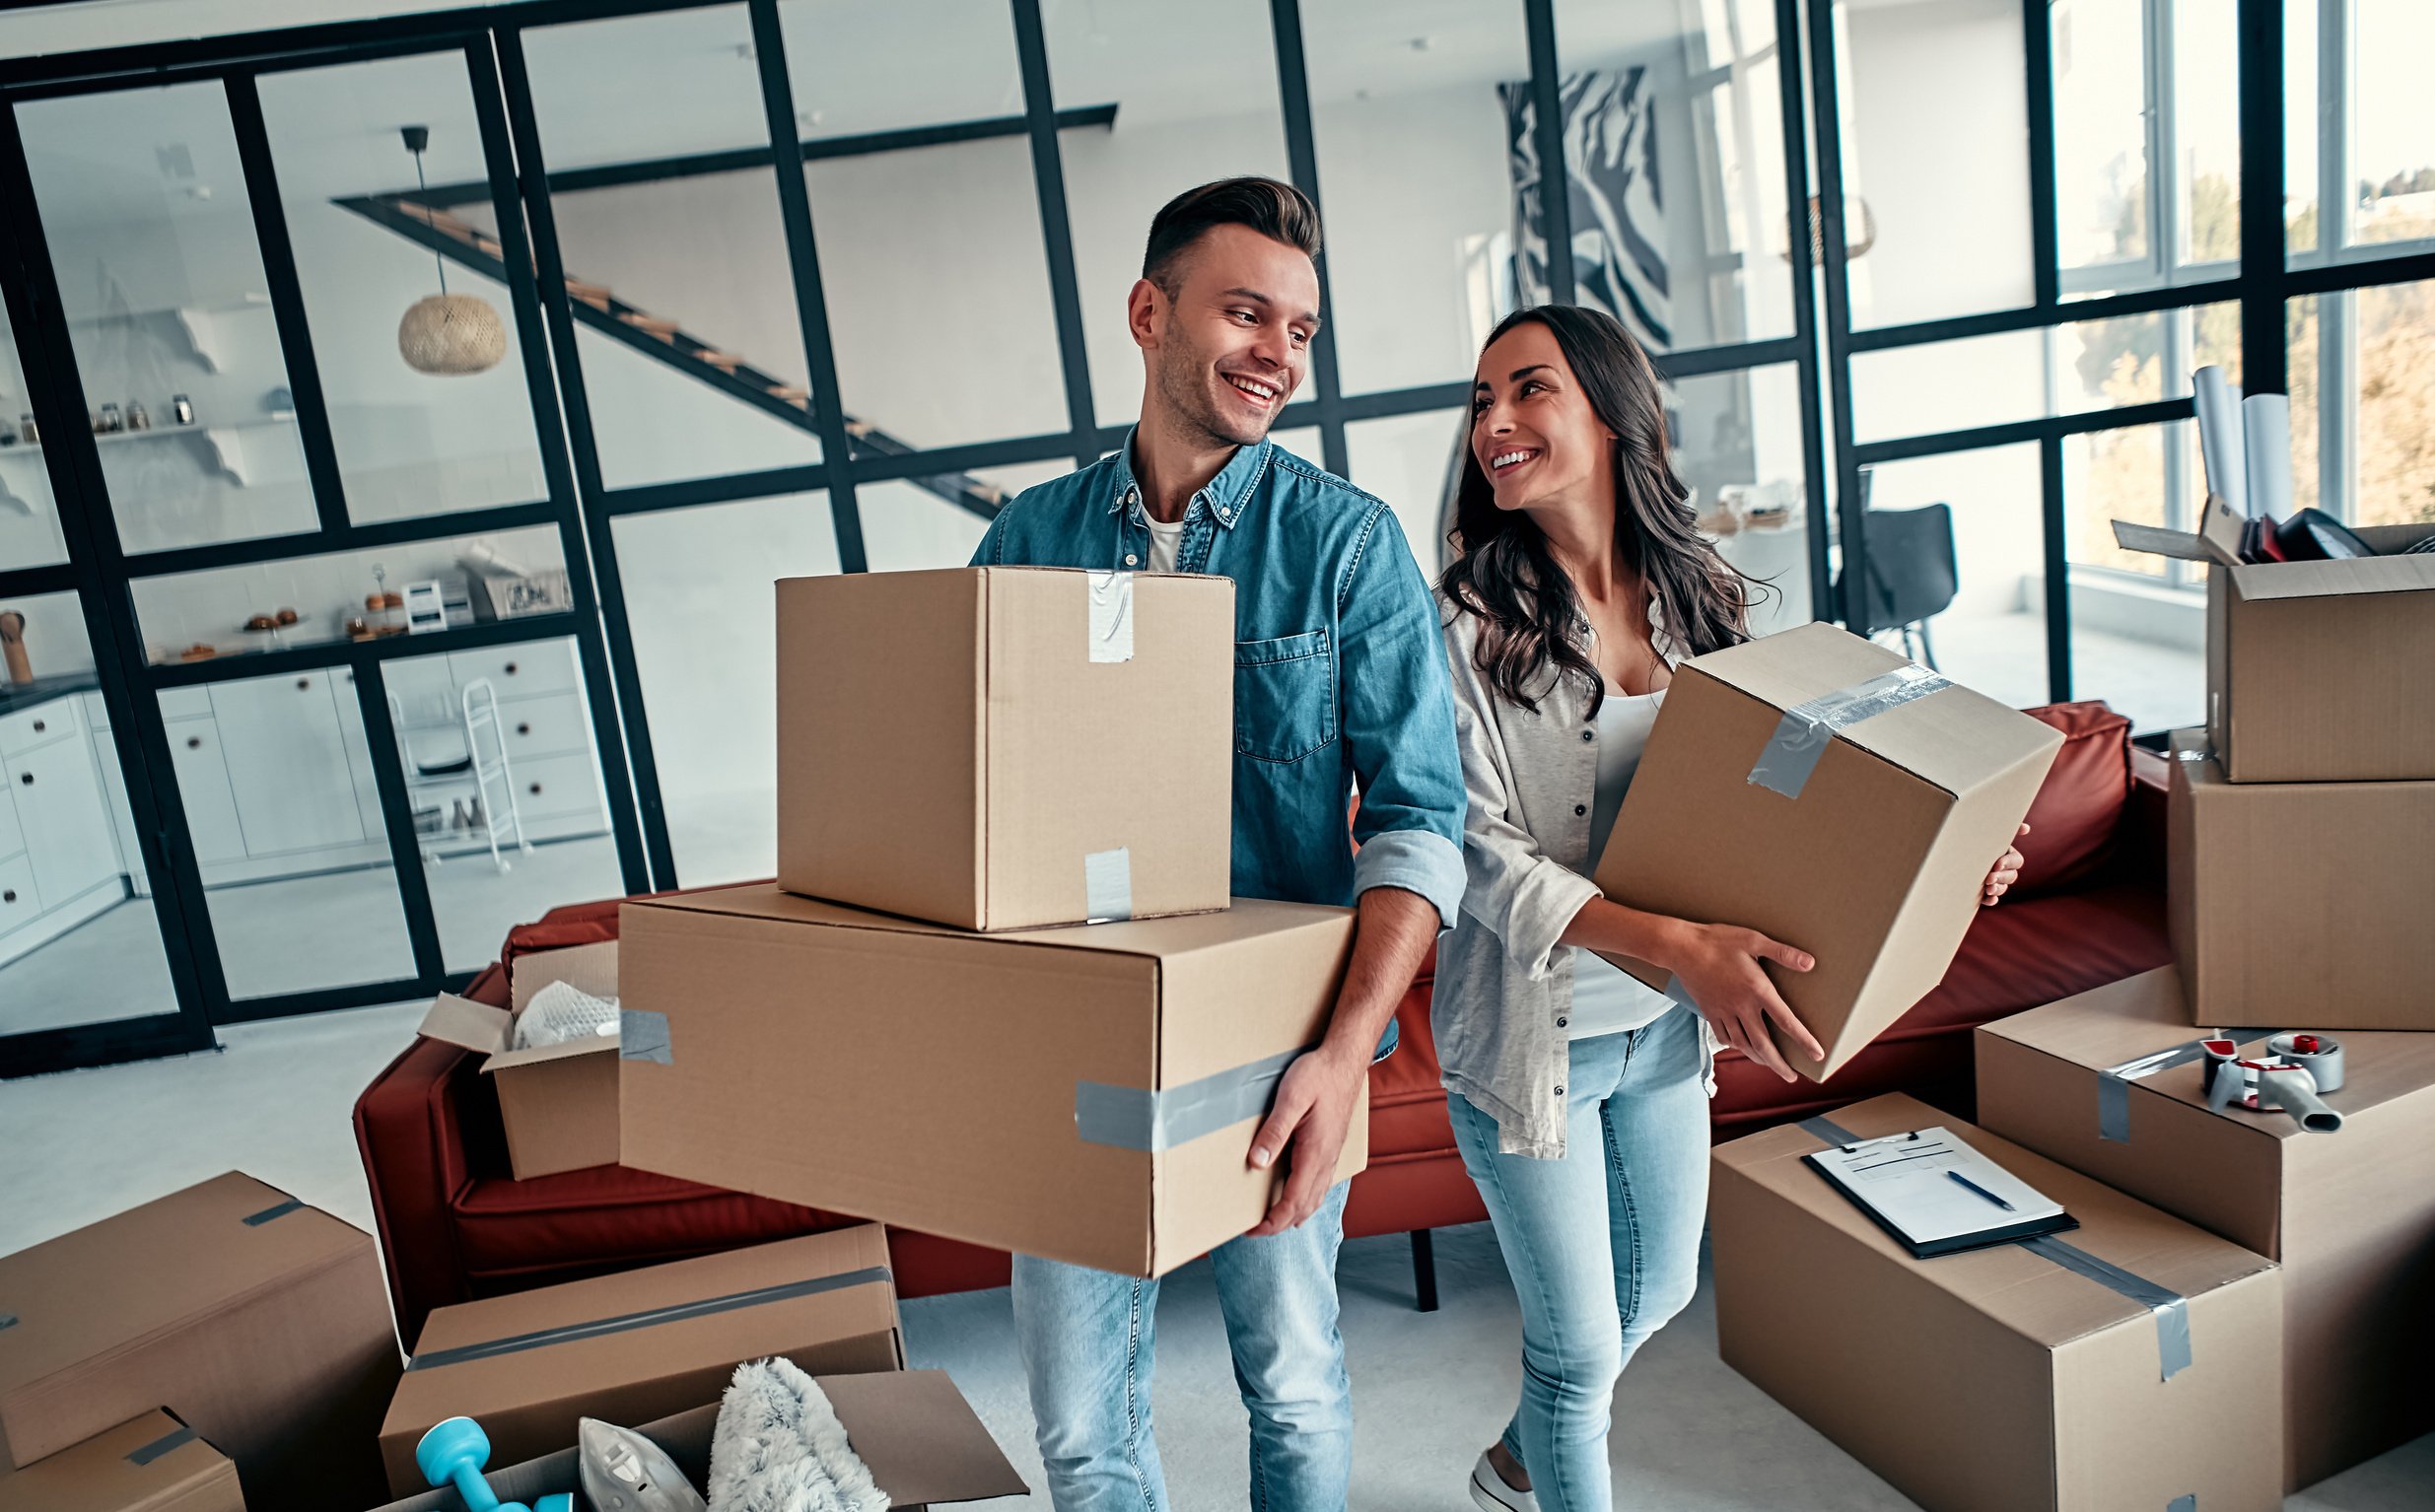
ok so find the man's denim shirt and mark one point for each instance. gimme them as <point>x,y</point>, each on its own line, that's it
<point>1340,667</point>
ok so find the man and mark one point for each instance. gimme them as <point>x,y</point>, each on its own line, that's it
<point>1340,679</point>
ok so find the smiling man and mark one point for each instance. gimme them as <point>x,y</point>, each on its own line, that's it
<point>1340,681</point>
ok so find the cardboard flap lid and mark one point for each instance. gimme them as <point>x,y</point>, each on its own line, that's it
<point>920,1437</point>
<point>144,1462</point>
<point>2035,1297</point>
<point>2217,539</point>
<point>2139,1016</point>
<point>2322,580</point>
<point>564,1049</point>
<point>143,1271</point>
<point>1954,739</point>
<point>590,968</point>
<point>467,1024</point>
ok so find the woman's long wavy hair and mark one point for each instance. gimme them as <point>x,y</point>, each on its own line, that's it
<point>1506,573</point>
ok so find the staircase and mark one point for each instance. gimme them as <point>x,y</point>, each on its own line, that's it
<point>664,341</point>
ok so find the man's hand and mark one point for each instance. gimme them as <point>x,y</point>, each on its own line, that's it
<point>1312,1115</point>
<point>2002,876</point>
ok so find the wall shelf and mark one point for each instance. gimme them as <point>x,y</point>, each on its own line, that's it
<point>200,323</point>
<point>227,442</point>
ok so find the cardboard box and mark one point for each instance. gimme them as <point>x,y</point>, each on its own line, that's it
<point>912,1427</point>
<point>1872,861</point>
<point>2299,901</point>
<point>1006,748</point>
<point>2351,1216</point>
<point>149,1464</point>
<point>2315,671</point>
<point>641,1343</point>
<point>1999,1380</point>
<point>263,1324</point>
<point>1086,1094</point>
<point>558,1102</point>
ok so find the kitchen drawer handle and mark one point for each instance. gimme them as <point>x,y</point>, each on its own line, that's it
<point>39,727</point>
<point>523,729</point>
<point>511,669</point>
<point>27,777</point>
<point>9,896</point>
<point>194,743</point>
<point>536,786</point>
<point>303,683</point>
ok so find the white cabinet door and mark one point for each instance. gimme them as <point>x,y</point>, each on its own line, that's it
<point>66,822</point>
<point>287,763</point>
<point>203,786</point>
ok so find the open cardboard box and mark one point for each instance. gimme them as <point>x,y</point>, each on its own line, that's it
<point>913,1428</point>
<point>558,1102</point>
<point>2315,671</point>
<point>148,1464</point>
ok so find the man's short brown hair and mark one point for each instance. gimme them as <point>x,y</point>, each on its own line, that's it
<point>1277,210</point>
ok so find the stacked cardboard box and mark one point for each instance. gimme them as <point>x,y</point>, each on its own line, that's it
<point>558,1103</point>
<point>999,993</point>
<point>148,1464</point>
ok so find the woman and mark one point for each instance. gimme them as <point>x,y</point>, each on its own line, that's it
<point>1579,1095</point>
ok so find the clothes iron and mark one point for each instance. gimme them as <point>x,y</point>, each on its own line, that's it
<point>621,1470</point>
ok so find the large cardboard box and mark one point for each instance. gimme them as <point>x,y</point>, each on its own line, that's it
<point>1999,1380</point>
<point>149,1464</point>
<point>2095,1081</point>
<point>641,1343</point>
<point>558,1102</point>
<point>1085,1094</point>
<point>911,1429</point>
<point>2302,902</point>
<point>263,1324</point>
<point>2315,671</point>
<point>1857,826</point>
<point>1005,748</point>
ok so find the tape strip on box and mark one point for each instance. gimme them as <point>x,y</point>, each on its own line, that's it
<point>178,1439</point>
<point>643,1035</point>
<point>271,1214</point>
<point>438,1359</point>
<point>1137,1118</point>
<point>1803,734</point>
<point>2114,1082</point>
<point>1111,616</point>
<point>1108,885</point>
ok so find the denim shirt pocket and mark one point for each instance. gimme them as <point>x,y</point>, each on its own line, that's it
<point>1285,697</point>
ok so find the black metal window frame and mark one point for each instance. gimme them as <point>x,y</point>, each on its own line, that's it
<point>583,509</point>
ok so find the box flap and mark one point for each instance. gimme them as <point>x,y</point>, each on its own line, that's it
<point>151,1462</point>
<point>463,1022</point>
<point>2264,582</point>
<point>921,1438</point>
<point>2216,540</point>
<point>150,1268</point>
<point>565,1050</point>
<point>591,969</point>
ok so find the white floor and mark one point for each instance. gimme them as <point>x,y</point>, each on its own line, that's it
<point>1431,1390</point>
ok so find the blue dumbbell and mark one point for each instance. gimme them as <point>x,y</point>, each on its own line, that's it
<point>454,1453</point>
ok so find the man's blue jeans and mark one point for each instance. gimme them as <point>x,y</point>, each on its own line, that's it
<point>1604,1244</point>
<point>1086,1341</point>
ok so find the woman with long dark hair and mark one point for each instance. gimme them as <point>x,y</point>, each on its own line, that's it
<point>1579,1095</point>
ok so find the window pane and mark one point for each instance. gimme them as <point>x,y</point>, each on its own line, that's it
<point>31,534</point>
<point>1417,183</point>
<point>2207,116</point>
<point>144,205</point>
<point>938,283</point>
<point>1676,146</point>
<point>280,800</point>
<point>2067,370</point>
<point>2101,140</point>
<point>1935,159</point>
<point>2302,215</point>
<point>2139,626</point>
<point>1979,511</point>
<point>2391,129</point>
<point>906,526</point>
<point>1409,461</point>
<point>1188,111</point>
<point>691,351</point>
<point>78,941</point>
<point>1737,445</point>
<point>409,442</point>
<point>2362,367</point>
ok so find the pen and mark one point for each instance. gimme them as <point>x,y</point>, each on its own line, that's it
<point>1982,1191</point>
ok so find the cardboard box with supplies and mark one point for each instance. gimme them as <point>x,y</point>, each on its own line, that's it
<point>150,1464</point>
<point>2108,1083</point>
<point>1820,789</point>
<point>558,1094</point>
<point>2299,901</point>
<point>2316,670</point>
<point>269,1336</point>
<point>641,1343</point>
<point>911,1428</point>
<point>1005,748</point>
<point>2128,1362</point>
<point>1085,1094</point>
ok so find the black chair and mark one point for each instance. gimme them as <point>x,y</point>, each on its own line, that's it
<point>1912,574</point>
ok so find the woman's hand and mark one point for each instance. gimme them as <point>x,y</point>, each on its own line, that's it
<point>1718,965</point>
<point>2005,872</point>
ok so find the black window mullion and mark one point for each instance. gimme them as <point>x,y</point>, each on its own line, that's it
<point>388,775</point>
<point>1302,162</point>
<point>803,260</point>
<point>1793,104</point>
<point>1852,528</point>
<point>2038,54</point>
<point>2058,568</point>
<point>1547,95</point>
<point>287,301</point>
<point>2264,364</point>
<point>1056,227</point>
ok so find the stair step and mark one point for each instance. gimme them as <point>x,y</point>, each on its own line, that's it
<point>801,398</point>
<point>658,325</point>
<point>725,362</point>
<point>436,218</point>
<point>594,295</point>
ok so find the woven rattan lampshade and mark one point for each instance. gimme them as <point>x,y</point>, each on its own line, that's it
<point>452,333</point>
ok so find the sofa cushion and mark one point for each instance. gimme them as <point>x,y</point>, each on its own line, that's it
<point>2078,812</point>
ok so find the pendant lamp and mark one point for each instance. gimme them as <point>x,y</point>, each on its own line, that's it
<point>446,332</point>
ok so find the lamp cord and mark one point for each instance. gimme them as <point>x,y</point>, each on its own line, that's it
<point>423,198</point>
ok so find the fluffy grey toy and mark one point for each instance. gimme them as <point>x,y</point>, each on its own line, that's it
<point>780,1448</point>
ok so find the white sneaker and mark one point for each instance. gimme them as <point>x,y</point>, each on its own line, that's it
<point>1489,1494</point>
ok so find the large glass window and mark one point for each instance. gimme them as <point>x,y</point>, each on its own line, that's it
<point>31,531</point>
<point>2362,367</point>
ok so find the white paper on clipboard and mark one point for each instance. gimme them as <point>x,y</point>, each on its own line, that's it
<point>1907,1178</point>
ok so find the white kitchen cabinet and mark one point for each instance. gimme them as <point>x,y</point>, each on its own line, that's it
<point>19,903</point>
<point>287,762</point>
<point>203,787</point>
<point>67,824</point>
<point>12,835</point>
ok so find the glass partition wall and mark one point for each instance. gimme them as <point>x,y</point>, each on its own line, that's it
<point>404,418</point>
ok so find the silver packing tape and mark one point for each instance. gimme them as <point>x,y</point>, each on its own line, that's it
<point>272,1213</point>
<point>1137,1118</point>
<point>2114,1082</point>
<point>2183,1503</point>
<point>6,1321</point>
<point>759,1296</point>
<point>1108,885</point>
<point>643,1035</point>
<point>178,1439</point>
<point>2171,1308</point>
<point>1806,730</point>
<point>1111,616</point>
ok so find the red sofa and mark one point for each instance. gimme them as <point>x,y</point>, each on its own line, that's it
<point>455,1225</point>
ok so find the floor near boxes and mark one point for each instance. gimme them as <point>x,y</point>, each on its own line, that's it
<point>1428,1390</point>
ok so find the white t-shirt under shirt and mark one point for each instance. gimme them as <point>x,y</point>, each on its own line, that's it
<point>1163,541</point>
<point>1605,998</point>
